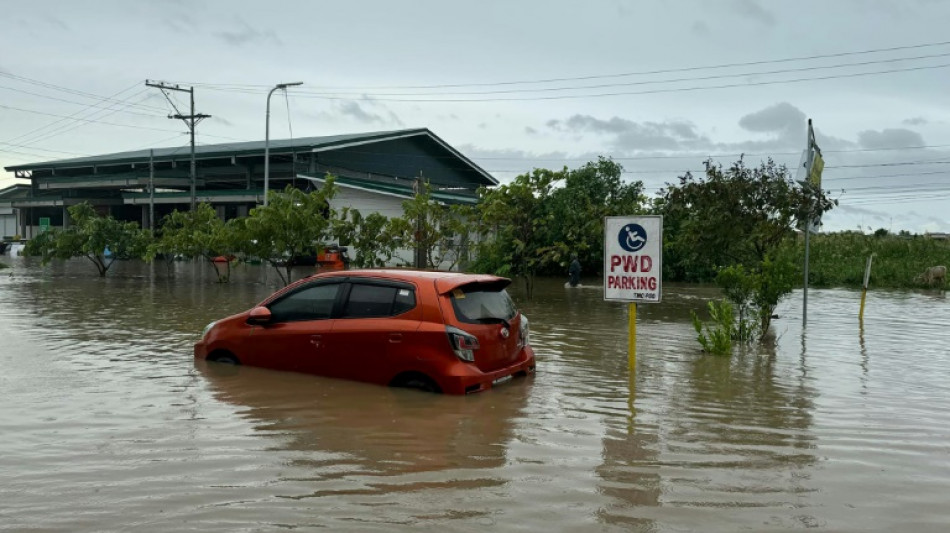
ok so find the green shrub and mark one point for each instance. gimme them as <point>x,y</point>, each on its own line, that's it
<point>716,339</point>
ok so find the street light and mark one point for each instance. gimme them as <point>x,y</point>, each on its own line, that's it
<point>282,86</point>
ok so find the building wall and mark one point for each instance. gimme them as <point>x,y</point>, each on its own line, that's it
<point>369,202</point>
<point>389,206</point>
<point>8,224</point>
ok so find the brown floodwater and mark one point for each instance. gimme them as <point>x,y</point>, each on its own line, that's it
<point>108,424</point>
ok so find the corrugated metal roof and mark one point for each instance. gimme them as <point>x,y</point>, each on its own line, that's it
<point>220,150</point>
<point>398,189</point>
<point>14,192</point>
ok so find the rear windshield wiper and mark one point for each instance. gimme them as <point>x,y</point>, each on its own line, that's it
<point>494,320</point>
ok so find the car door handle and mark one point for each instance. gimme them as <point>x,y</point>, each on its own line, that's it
<point>395,337</point>
<point>315,340</point>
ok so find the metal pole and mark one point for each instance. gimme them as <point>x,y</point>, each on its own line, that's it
<point>282,86</point>
<point>267,147</point>
<point>191,92</point>
<point>809,161</point>
<point>151,190</point>
<point>632,336</point>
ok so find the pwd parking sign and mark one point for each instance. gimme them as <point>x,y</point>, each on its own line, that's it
<point>633,259</point>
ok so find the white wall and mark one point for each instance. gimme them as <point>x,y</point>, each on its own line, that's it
<point>8,223</point>
<point>367,202</point>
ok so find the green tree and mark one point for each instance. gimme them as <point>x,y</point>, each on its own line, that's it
<point>373,239</point>
<point>589,194</point>
<point>101,239</point>
<point>436,228</point>
<point>197,234</point>
<point>294,223</point>
<point>518,218</point>
<point>736,226</point>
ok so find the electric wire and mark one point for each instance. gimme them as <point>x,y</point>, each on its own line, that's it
<point>607,76</point>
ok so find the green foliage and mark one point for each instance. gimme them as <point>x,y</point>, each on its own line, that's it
<point>439,230</point>
<point>589,194</point>
<point>197,234</point>
<point>838,259</point>
<point>519,218</point>
<point>373,239</point>
<point>734,216</point>
<point>737,226</point>
<point>90,235</point>
<point>4,265</point>
<point>294,223</point>
<point>716,339</point>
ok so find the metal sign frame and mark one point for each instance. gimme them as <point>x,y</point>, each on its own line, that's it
<point>633,245</point>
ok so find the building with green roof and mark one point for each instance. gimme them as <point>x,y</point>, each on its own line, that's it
<point>375,171</point>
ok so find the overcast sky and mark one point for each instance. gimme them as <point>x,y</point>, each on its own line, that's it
<point>657,85</point>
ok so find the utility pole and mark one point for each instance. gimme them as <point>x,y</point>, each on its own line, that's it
<point>191,120</point>
<point>421,252</point>
<point>151,191</point>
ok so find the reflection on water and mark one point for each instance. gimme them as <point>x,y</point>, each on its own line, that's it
<point>110,425</point>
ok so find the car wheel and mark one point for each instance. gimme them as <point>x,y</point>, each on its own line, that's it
<point>226,359</point>
<point>418,382</point>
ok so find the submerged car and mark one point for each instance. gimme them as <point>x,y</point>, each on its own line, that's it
<point>436,331</point>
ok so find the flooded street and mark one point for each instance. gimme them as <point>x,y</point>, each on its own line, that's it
<point>108,424</point>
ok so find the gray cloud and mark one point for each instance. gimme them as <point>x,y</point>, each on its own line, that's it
<point>915,121</point>
<point>247,35</point>
<point>180,23</point>
<point>629,135</point>
<point>782,118</point>
<point>56,23</point>
<point>754,11</point>
<point>223,121</point>
<point>364,111</point>
<point>889,138</point>
<point>353,109</point>
<point>530,131</point>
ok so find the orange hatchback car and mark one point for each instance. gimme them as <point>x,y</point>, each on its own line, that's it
<point>436,331</point>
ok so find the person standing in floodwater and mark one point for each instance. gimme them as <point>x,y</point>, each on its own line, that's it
<point>574,271</point>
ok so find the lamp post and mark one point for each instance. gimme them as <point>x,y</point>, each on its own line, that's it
<point>281,86</point>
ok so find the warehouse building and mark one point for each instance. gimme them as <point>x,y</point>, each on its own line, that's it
<point>375,173</point>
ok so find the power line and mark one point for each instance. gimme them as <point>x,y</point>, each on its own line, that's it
<point>643,82</point>
<point>33,111</point>
<point>631,93</point>
<point>98,114</point>
<point>616,75</point>
<point>70,90</point>
<point>65,100</point>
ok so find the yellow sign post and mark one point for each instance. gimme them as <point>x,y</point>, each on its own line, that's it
<point>633,267</point>
<point>632,337</point>
<point>864,289</point>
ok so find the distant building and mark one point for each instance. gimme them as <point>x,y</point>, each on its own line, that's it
<point>9,215</point>
<point>375,172</point>
<point>938,236</point>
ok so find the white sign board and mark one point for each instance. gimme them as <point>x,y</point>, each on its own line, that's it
<point>633,259</point>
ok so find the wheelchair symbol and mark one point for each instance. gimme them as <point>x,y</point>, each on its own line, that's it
<point>632,237</point>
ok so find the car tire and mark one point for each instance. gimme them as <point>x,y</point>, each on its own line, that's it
<point>226,359</point>
<point>419,382</point>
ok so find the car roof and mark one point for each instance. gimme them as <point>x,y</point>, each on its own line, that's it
<point>444,281</point>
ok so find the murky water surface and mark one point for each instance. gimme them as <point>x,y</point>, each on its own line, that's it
<point>108,424</point>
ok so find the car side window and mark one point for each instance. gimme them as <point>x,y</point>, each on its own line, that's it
<point>310,303</point>
<point>371,300</point>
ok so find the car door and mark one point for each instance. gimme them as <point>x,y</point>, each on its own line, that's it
<point>370,336</point>
<point>298,335</point>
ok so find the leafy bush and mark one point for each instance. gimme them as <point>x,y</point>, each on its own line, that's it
<point>716,339</point>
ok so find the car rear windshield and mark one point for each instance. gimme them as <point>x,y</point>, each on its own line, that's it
<point>482,304</point>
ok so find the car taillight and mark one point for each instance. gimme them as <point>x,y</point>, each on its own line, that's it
<point>463,344</point>
<point>523,338</point>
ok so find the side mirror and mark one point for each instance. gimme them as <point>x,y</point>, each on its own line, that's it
<point>259,316</point>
